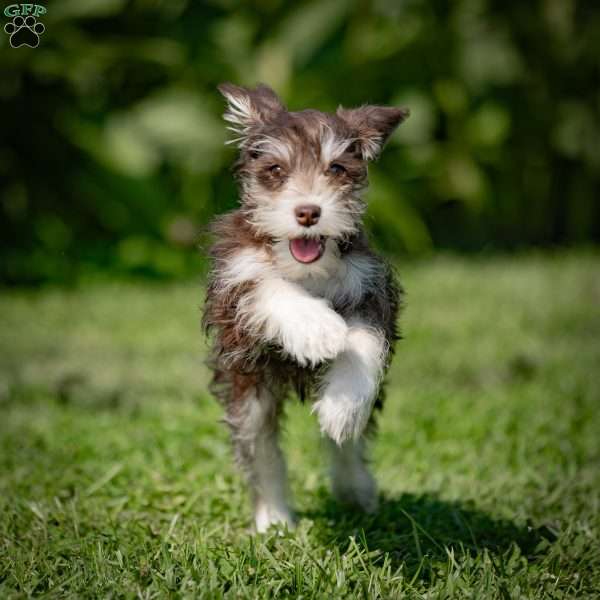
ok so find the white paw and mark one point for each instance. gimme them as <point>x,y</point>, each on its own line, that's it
<point>267,515</point>
<point>342,415</point>
<point>315,334</point>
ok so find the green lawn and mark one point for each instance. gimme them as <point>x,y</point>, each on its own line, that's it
<point>116,477</point>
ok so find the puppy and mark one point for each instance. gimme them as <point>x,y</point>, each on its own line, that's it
<point>297,301</point>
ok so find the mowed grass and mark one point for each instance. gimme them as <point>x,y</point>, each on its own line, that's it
<point>116,477</point>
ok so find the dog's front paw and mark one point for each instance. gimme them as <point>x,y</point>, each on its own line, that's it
<point>342,415</point>
<point>318,334</point>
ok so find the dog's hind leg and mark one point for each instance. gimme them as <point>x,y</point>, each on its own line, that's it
<point>254,421</point>
<point>351,480</point>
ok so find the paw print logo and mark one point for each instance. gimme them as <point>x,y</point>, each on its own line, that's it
<point>24,31</point>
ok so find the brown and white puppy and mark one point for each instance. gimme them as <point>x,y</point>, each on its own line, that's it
<point>297,300</point>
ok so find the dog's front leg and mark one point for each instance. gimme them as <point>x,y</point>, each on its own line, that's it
<point>306,328</point>
<point>350,386</point>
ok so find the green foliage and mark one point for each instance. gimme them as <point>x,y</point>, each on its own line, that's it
<point>112,146</point>
<point>116,477</point>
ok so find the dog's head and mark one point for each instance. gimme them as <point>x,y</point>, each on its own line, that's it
<point>302,172</point>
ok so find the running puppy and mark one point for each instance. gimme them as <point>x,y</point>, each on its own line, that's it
<point>297,300</point>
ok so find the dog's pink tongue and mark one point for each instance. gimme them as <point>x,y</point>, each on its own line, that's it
<point>305,250</point>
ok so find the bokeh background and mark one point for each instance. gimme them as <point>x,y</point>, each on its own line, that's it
<point>112,152</point>
<point>116,478</point>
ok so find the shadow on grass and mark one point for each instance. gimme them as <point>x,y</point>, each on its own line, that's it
<point>415,530</point>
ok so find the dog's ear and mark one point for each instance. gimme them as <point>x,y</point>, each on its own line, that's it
<point>248,108</point>
<point>372,125</point>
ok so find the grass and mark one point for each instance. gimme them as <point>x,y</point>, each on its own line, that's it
<point>116,478</point>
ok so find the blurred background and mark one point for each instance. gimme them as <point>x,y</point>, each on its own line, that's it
<point>112,155</point>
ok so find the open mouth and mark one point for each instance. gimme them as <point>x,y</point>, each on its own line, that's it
<point>307,250</point>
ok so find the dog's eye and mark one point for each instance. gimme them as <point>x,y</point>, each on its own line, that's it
<point>352,148</point>
<point>336,169</point>
<point>275,170</point>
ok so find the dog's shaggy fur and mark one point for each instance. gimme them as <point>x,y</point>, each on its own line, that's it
<point>297,300</point>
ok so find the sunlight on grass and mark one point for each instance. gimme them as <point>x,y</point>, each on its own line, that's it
<point>116,474</point>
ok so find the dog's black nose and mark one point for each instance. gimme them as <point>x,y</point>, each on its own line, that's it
<point>308,214</point>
